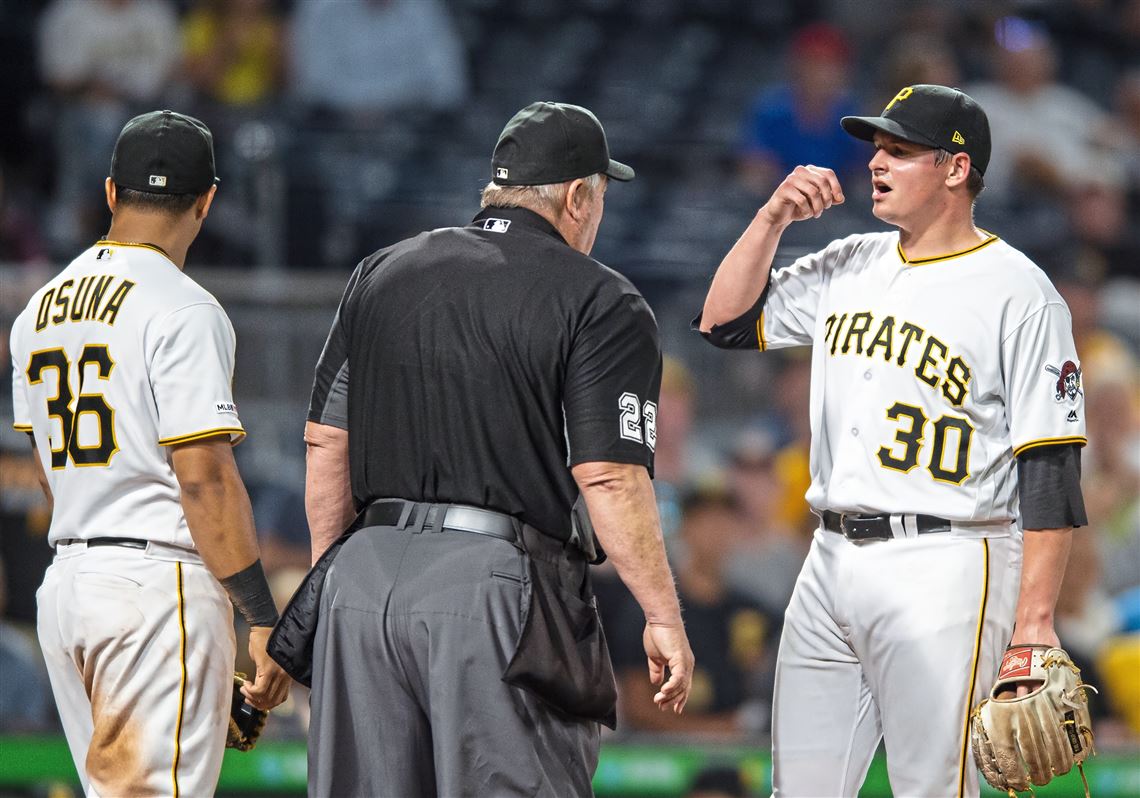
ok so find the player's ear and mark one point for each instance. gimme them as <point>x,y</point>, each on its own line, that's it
<point>109,189</point>
<point>202,206</point>
<point>959,170</point>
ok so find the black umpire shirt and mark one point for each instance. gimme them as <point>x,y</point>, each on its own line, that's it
<point>484,361</point>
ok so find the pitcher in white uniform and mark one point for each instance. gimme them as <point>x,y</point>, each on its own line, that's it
<point>947,417</point>
<point>121,371</point>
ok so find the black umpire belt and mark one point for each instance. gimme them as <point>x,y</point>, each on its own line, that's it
<point>404,514</point>
<point>855,526</point>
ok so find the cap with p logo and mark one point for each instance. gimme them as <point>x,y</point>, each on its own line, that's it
<point>935,116</point>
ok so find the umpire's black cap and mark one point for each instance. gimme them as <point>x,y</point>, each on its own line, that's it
<point>936,116</point>
<point>552,143</point>
<point>164,152</point>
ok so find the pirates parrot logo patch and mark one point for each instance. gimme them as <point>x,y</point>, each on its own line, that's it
<point>1068,385</point>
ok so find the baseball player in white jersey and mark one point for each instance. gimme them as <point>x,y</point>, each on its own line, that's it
<point>947,418</point>
<point>122,369</point>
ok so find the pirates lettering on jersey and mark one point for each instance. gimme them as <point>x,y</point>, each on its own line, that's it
<point>932,363</point>
<point>90,300</point>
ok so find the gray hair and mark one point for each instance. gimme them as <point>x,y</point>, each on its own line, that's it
<point>547,197</point>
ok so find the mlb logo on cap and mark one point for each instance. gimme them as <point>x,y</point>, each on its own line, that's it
<point>162,152</point>
<point>502,173</point>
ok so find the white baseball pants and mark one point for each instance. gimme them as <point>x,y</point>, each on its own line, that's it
<point>139,646</point>
<point>894,640</point>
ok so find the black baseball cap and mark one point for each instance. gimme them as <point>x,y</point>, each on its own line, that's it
<point>552,143</point>
<point>164,152</point>
<point>936,116</point>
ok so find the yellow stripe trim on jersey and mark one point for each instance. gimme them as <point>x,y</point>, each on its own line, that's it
<point>919,261</point>
<point>208,433</point>
<point>108,242</point>
<point>962,757</point>
<point>760,333</point>
<point>22,427</point>
<point>1025,447</point>
<point>182,683</point>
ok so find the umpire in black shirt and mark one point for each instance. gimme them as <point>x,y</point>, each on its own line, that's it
<point>479,386</point>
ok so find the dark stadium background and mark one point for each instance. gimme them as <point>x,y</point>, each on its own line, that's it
<point>334,140</point>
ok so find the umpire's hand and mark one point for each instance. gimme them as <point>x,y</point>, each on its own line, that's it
<point>667,647</point>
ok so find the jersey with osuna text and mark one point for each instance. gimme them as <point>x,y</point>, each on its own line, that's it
<point>115,360</point>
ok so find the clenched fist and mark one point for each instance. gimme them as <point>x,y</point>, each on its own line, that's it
<point>804,194</point>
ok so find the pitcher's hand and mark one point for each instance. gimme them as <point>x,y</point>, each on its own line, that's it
<point>805,194</point>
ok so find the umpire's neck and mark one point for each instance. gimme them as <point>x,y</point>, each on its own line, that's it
<point>172,232</point>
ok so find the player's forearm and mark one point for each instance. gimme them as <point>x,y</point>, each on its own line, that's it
<point>216,505</point>
<point>1045,555</point>
<point>743,274</point>
<point>328,491</point>
<point>41,477</point>
<point>623,510</point>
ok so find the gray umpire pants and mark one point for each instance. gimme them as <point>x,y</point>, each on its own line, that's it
<point>415,632</point>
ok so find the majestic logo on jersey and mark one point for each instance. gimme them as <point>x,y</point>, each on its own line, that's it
<point>497,225</point>
<point>934,363</point>
<point>1068,386</point>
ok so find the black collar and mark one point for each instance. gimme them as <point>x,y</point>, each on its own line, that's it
<point>520,216</point>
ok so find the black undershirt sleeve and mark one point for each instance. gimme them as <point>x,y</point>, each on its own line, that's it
<point>1049,487</point>
<point>741,332</point>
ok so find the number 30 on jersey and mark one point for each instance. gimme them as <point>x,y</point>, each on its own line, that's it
<point>635,416</point>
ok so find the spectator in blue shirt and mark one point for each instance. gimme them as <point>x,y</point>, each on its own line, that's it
<point>793,123</point>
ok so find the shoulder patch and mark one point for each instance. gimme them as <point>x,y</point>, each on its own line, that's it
<point>1068,385</point>
<point>497,225</point>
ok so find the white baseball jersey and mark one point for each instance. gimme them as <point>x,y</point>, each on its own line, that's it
<point>928,376</point>
<point>114,360</point>
<point>118,357</point>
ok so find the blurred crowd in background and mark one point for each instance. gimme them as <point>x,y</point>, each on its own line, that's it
<point>343,125</point>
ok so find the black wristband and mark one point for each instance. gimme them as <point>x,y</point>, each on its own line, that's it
<point>249,591</point>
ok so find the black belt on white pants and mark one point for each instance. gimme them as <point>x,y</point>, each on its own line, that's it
<point>884,526</point>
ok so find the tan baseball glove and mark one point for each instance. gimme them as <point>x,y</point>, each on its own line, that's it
<point>246,721</point>
<point>1031,739</point>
